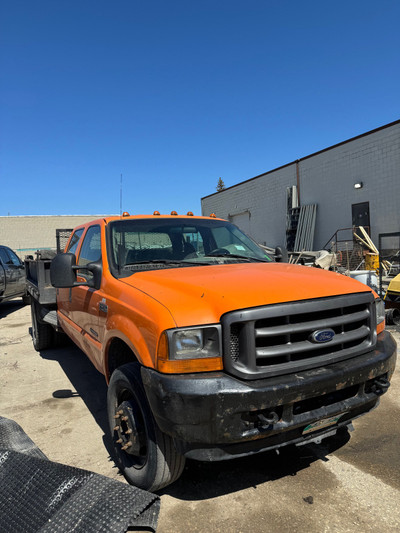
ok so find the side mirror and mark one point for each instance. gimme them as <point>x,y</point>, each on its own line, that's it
<point>63,271</point>
<point>281,255</point>
<point>97,270</point>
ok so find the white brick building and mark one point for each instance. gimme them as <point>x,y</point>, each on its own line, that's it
<point>26,234</point>
<point>326,178</point>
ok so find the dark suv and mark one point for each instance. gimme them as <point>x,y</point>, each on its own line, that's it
<point>12,276</point>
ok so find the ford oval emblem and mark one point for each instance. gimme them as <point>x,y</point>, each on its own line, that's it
<point>322,335</point>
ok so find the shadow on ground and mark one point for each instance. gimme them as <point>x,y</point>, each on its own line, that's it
<point>6,308</point>
<point>86,381</point>
<point>208,480</point>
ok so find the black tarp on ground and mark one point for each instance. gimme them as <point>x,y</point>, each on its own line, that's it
<point>40,496</point>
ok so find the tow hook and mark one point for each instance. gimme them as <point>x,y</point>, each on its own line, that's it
<point>380,386</point>
<point>269,419</point>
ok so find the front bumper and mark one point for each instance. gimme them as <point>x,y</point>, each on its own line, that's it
<point>213,416</point>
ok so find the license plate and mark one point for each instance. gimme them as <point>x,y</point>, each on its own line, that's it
<point>325,422</point>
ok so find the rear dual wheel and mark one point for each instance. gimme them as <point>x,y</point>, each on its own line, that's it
<point>42,334</point>
<point>145,455</point>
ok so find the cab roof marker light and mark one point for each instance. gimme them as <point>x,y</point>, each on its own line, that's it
<point>174,213</point>
<point>189,214</point>
<point>126,214</point>
<point>213,215</point>
<point>156,213</point>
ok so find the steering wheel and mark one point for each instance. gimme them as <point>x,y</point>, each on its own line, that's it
<point>220,251</point>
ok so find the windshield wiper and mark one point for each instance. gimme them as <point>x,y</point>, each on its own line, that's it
<point>237,256</point>
<point>166,262</point>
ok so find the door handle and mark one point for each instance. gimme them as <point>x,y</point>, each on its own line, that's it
<point>103,307</point>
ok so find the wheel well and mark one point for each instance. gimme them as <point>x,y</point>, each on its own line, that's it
<point>119,354</point>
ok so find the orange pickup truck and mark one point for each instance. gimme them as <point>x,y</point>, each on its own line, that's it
<point>211,349</point>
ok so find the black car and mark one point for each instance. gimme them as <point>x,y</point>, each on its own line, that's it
<point>12,276</point>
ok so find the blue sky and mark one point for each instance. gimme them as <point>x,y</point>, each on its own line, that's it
<point>175,94</point>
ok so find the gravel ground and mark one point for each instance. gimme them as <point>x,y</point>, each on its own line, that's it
<point>341,485</point>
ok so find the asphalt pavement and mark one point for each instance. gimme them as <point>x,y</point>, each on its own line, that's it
<point>345,484</point>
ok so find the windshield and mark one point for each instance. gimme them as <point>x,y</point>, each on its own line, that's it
<point>159,243</point>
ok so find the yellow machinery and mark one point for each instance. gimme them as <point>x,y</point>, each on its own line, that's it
<point>392,301</point>
<point>372,262</point>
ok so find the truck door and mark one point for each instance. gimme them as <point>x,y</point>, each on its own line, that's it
<point>85,301</point>
<point>360,216</point>
<point>14,273</point>
<point>64,295</point>
<point>2,280</point>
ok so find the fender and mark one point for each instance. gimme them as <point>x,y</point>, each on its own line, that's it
<point>143,343</point>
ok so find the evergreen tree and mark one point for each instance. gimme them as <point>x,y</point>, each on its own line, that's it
<point>220,185</point>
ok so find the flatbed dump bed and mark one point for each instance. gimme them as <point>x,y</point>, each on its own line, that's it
<point>38,282</point>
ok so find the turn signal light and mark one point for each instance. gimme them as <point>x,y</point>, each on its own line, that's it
<point>190,365</point>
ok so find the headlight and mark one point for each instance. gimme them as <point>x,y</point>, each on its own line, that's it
<point>198,342</point>
<point>190,349</point>
<point>380,314</point>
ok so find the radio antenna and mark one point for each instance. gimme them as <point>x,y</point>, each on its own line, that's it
<point>120,197</point>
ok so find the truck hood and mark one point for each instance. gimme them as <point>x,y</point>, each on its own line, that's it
<point>202,294</point>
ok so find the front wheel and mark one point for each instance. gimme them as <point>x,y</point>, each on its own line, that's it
<point>145,455</point>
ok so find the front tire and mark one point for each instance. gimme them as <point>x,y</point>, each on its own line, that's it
<point>145,455</point>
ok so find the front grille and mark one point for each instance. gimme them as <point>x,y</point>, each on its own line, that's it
<point>277,339</point>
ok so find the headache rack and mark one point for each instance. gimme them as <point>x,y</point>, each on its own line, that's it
<point>278,339</point>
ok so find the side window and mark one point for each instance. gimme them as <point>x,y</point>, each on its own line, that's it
<point>8,257</point>
<point>73,243</point>
<point>4,256</point>
<point>91,247</point>
<point>14,258</point>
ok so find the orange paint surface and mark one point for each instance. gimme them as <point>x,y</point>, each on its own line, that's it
<point>140,307</point>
